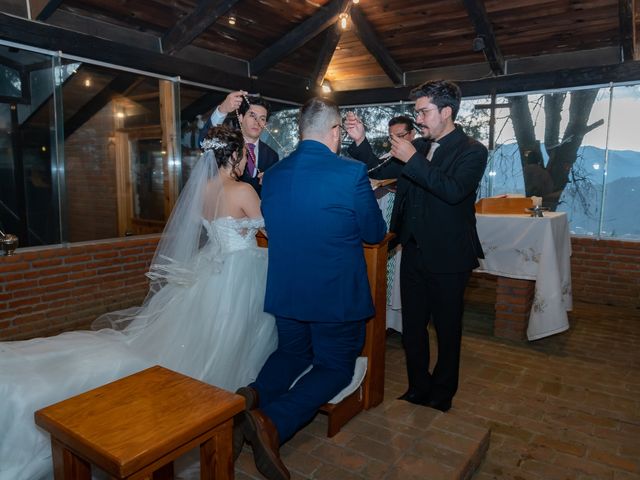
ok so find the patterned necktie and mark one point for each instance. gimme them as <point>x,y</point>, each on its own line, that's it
<point>251,159</point>
<point>432,150</point>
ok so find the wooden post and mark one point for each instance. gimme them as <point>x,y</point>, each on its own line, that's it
<point>375,344</point>
<point>170,155</point>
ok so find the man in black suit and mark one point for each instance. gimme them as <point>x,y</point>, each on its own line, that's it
<point>381,168</point>
<point>434,220</point>
<point>253,117</point>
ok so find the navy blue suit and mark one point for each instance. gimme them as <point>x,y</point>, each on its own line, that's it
<point>318,209</point>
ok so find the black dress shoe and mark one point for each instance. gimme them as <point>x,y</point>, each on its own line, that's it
<point>442,405</point>
<point>413,397</point>
<point>405,395</point>
<point>251,400</point>
<point>262,434</point>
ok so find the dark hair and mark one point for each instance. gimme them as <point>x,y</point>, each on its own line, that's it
<point>231,141</point>
<point>254,100</point>
<point>402,120</point>
<point>442,93</point>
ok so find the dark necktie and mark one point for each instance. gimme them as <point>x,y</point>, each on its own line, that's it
<point>251,159</point>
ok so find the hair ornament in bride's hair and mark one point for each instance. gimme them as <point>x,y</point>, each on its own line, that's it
<point>212,144</point>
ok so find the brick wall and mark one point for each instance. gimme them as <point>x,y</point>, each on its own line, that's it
<point>48,290</point>
<point>606,272</point>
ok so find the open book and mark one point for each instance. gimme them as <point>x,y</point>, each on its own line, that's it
<point>382,187</point>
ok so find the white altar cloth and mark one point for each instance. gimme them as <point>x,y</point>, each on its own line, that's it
<point>394,305</point>
<point>532,248</point>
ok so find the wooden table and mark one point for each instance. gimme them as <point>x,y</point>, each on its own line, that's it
<point>135,427</point>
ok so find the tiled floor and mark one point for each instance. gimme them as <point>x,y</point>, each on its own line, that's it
<point>566,407</point>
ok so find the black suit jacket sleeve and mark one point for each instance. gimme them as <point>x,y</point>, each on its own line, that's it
<point>450,185</point>
<point>364,153</point>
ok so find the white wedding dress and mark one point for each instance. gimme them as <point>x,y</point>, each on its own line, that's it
<point>206,322</point>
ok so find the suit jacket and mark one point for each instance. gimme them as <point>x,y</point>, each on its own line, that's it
<point>382,169</point>
<point>318,209</point>
<point>267,157</point>
<point>435,204</point>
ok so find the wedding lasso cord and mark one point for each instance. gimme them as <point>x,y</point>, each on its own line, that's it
<point>249,152</point>
<point>380,165</point>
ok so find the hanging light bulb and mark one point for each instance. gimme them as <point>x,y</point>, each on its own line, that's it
<point>344,18</point>
<point>355,2</point>
<point>232,20</point>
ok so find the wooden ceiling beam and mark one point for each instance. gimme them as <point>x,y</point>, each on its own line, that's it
<point>52,38</point>
<point>297,37</point>
<point>326,53</point>
<point>517,83</point>
<point>480,20</point>
<point>43,9</point>
<point>370,40</point>
<point>205,14</point>
<point>628,36</point>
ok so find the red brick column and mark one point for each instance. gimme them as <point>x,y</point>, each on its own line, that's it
<point>514,298</point>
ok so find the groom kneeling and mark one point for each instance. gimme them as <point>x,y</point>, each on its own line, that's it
<point>318,209</point>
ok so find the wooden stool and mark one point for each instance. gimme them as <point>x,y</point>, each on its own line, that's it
<point>135,427</point>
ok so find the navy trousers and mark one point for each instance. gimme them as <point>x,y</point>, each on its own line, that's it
<point>332,349</point>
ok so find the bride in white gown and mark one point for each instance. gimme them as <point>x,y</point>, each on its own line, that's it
<point>203,315</point>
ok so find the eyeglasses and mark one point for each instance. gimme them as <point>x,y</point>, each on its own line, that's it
<point>343,131</point>
<point>398,135</point>
<point>424,111</point>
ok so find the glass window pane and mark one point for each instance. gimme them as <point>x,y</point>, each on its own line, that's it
<point>115,159</point>
<point>552,145</point>
<point>621,217</point>
<point>27,208</point>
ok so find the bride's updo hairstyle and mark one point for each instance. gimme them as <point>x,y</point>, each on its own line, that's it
<point>223,142</point>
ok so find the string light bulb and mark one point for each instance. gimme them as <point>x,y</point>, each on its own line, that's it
<point>355,2</point>
<point>344,18</point>
<point>232,20</point>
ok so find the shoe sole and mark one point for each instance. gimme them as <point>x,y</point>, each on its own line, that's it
<point>267,463</point>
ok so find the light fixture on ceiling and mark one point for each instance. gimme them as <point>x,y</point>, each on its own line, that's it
<point>232,19</point>
<point>355,2</point>
<point>344,20</point>
<point>87,82</point>
<point>326,87</point>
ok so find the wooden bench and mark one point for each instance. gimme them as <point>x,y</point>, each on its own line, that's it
<point>134,428</point>
<point>371,390</point>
